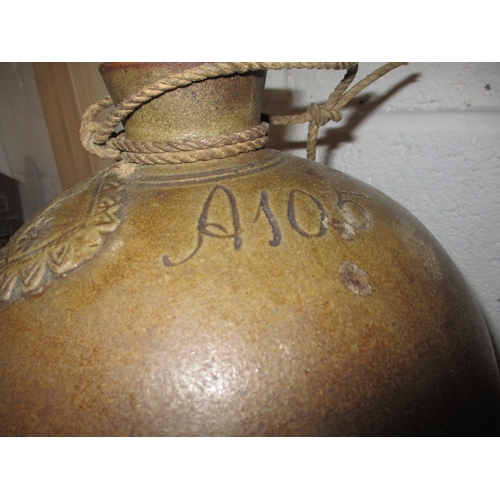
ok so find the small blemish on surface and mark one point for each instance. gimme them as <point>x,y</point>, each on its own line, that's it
<point>343,229</point>
<point>125,170</point>
<point>487,87</point>
<point>355,279</point>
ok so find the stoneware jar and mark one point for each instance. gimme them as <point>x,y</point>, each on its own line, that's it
<point>259,294</point>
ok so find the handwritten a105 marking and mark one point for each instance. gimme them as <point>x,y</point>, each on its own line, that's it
<point>354,217</point>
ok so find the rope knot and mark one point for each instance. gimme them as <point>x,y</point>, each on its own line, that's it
<point>322,114</point>
<point>336,115</point>
<point>100,139</point>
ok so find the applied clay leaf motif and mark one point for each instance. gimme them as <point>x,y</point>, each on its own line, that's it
<point>71,230</point>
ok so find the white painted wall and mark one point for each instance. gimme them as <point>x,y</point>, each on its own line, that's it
<point>428,135</point>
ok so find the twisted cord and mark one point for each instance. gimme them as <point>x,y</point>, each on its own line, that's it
<point>194,155</point>
<point>120,143</point>
<point>90,127</point>
<point>191,150</point>
<point>188,77</point>
<point>319,115</point>
<point>97,137</point>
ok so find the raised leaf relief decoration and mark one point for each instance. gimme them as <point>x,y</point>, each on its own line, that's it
<point>71,230</point>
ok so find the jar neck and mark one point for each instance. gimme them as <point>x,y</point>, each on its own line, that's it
<point>205,109</point>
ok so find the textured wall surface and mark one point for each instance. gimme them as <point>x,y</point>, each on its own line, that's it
<point>428,135</point>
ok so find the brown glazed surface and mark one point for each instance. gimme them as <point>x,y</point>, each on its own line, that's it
<point>208,108</point>
<point>260,295</point>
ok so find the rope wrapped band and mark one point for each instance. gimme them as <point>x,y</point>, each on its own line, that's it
<point>150,153</point>
<point>98,137</point>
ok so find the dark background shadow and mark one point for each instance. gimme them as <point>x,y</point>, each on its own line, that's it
<point>278,102</point>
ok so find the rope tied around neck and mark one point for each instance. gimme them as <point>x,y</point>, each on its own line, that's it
<point>150,153</point>
<point>99,138</point>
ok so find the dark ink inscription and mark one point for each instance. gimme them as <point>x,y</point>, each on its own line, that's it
<point>323,217</point>
<point>167,262</point>
<point>203,223</point>
<point>273,222</point>
<point>206,228</point>
<point>354,217</point>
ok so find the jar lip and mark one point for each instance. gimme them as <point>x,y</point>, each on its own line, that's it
<point>167,66</point>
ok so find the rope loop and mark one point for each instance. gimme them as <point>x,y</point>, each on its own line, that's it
<point>190,150</point>
<point>99,138</point>
<point>90,128</point>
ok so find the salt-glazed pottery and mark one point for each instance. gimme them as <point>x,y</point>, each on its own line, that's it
<point>255,295</point>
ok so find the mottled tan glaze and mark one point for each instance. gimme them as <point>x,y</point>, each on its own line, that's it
<point>205,109</point>
<point>261,295</point>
